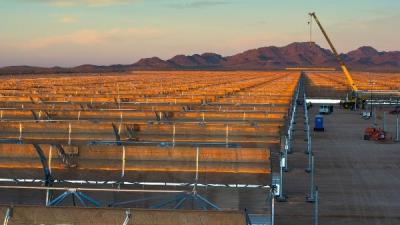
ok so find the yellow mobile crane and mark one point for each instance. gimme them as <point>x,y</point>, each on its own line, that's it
<point>353,101</point>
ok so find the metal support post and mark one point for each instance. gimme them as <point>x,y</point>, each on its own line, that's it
<point>248,220</point>
<point>20,132</point>
<point>69,133</point>
<point>281,197</point>
<point>227,136</point>
<point>384,121</point>
<point>289,137</point>
<point>116,133</point>
<point>128,216</point>
<point>355,104</point>
<point>123,162</point>
<point>286,149</point>
<point>47,197</point>
<point>307,130</point>
<point>316,213</point>
<point>310,155</point>
<point>311,197</point>
<point>8,216</point>
<point>397,127</point>
<point>272,207</point>
<point>292,114</point>
<point>308,139</point>
<point>47,174</point>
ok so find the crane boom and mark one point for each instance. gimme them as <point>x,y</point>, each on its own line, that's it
<point>341,62</point>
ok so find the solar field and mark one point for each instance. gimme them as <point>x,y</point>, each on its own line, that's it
<point>159,127</point>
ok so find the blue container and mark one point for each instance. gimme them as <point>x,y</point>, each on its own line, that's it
<point>319,123</point>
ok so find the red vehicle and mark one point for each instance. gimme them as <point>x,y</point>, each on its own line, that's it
<point>376,134</point>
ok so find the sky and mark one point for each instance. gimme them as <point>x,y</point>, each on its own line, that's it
<point>104,32</point>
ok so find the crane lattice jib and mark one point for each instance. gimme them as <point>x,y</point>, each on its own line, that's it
<point>341,62</point>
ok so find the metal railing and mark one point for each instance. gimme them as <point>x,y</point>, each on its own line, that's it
<point>286,146</point>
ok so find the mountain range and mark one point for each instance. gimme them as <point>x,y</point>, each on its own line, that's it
<point>298,54</point>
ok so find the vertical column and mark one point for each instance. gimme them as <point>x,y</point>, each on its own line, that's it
<point>69,133</point>
<point>197,170</point>
<point>285,156</point>
<point>227,135</point>
<point>310,155</point>
<point>123,161</point>
<point>384,121</point>
<point>20,132</point>
<point>128,216</point>
<point>281,197</point>
<point>272,207</point>
<point>286,141</point>
<point>173,135</point>
<point>397,127</point>
<point>49,166</point>
<point>308,138</point>
<point>316,205</point>
<point>8,216</point>
<point>311,196</point>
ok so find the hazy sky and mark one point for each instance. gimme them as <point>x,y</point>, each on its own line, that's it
<point>74,32</point>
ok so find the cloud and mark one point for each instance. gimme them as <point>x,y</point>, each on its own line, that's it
<point>91,3</point>
<point>197,4</point>
<point>91,38</point>
<point>68,19</point>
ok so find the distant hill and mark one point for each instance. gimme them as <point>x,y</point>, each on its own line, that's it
<point>298,54</point>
